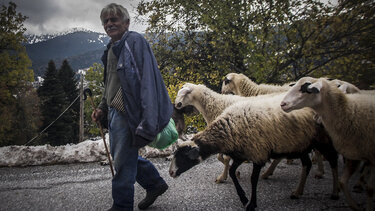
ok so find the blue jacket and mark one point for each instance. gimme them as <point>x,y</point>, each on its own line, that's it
<point>147,103</point>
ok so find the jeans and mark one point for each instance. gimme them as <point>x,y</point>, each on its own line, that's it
<point>129,166</point>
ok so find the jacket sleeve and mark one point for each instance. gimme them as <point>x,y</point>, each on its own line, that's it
<point>147,66</point>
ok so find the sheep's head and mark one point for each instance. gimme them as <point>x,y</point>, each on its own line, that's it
<point>344,86</point>
<point>184,96</point>
<point>305,93</point>
<point>185,157</point>
<point>229,85</point>
<point>188,110</point>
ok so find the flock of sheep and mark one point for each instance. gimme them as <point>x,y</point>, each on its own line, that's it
<point>258,122</point>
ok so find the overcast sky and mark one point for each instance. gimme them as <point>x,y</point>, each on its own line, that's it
<point>52,16</point>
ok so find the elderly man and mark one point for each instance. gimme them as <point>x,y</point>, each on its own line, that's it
<point>138,107</point>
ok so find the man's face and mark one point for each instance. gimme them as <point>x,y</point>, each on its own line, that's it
<point>115,27</point>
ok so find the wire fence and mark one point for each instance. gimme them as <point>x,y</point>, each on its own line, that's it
<point>41,132</point>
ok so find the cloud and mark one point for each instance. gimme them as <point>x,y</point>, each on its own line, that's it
<point>52,16</point>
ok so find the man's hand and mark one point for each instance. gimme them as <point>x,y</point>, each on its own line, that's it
<point>97,115</point>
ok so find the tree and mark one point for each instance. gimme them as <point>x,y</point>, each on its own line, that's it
<point>350,40</point>
<point>27,118</point>
<point>94,78</point>
<point>53,103</point>
<point>270,41</point>
<point>69,82</point>
<point>15,75</point>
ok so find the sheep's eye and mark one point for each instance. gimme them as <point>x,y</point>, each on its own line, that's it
<point>226,81</point>
<point>304,88</point>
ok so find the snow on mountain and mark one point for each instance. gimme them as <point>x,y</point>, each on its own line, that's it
<point>32,38</point>
<point>79,46</point>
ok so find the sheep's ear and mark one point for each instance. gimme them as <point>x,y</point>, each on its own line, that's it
<point>343,88</point>
<point>184,91</point>
<point>317,118</point>
<point>226,80</point>
<point>315,87</point>
<point>193,153</point>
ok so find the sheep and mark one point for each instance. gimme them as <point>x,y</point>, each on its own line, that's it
<point>368,92</point>
<point>345,87</point>
<point>178,117</point>
<point>348,119</point>
<point>364,170</point>
<point>210,104</point>
<point>257,130</point>
<point>239,84</point>
<point>198,95</point>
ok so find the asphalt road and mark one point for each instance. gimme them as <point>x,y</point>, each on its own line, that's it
<point>87,186</point>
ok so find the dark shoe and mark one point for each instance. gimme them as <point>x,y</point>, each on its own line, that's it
<point>151,196</point>
<point>113,209</point>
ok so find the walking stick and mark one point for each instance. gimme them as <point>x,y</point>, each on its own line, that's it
<point>88,91</point>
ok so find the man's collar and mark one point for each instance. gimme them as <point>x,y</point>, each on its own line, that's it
<point>118,41</point>
<point>117,46</point>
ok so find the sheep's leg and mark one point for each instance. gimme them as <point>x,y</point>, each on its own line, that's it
<point>364,172</point>
<point>220,157</point>
<point>225,160</point>
<point>330,154</point>
<point>332,159</point>
<point>370,188</point>
<point>254,184</point>
<point>232,173</point>
<point>319,160</point>
<point>349,169</point>
<point>306,167</point>
<point>271,168</point>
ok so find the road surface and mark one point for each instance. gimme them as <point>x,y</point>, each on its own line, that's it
<point>87,186</point>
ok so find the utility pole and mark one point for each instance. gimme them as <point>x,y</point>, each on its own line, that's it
<point>81,110</point>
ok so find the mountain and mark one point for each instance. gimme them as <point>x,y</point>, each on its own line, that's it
<point>80,47</point>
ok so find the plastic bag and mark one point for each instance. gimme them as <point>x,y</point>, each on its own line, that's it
<point>166,137</point>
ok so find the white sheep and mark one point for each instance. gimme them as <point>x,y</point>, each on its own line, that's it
<point>210,104</point>
<point>368,92</point>
<point>345,87</point>
<point>178,117</point>
<point>348,119</point>
<point>257,130</point>
<point>239,84</point>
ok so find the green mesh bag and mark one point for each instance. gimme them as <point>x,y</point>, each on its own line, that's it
<point>166,137</point>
